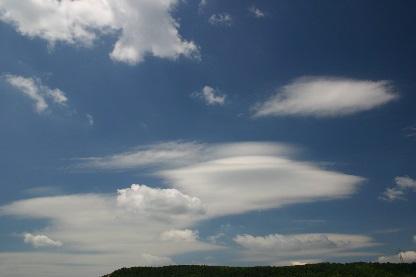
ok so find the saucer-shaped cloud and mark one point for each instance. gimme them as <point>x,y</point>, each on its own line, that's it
<point>326,97</point>
<point>255,175</point>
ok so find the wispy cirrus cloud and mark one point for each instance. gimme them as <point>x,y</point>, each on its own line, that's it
<point>326,97</point>
<point>35,90</point>
<point>398,192</point>
<point>410,131</point>
<point>142,27</point>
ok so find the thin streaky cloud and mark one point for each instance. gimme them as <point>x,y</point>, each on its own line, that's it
<point>33,88</point>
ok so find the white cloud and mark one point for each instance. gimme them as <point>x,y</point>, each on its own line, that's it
<point>301,245</point>
<point>392,194</point>
<point>167,154</point>
<point>210,96</point>
<point>414,238</point>
<point>90,119</point>
<point>223,19</point>
<point>185,235</point>
<point>296,262</point>
<point>156,202</point>
<point>143,27</point>
<point>257,180</point>
<point>402,257</point>
<point>40,240</point>
<point>202,4</point>
<point>57,95</point>
<point>40,94</point>
<point>410,131</point>
<point>205,181</point>
<point>405,182</point>
<point>326,97</point>
<point>256,175</point>
<point>398,191</point>
<point>256,12</point>
<point>103,233</point>
<point>304,262</point>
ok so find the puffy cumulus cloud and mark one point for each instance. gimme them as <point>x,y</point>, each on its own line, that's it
<point>398,191</point>
<point>143,26</point>
<point>220,19</point>
<point>158,202</point>
<point>256,175</point>
<point>402,257</point>
<point>186,235</point>
<point>210,96</point>
<point>326,97</point>
<point>103,234</point>
<point>40,240</point>
<point>301,245</point>
<point>256,12</point>
<point>41,95</point>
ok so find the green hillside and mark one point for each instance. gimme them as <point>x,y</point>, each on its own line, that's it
<point>325,269</point>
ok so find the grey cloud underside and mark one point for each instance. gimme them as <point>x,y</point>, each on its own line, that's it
<point>304,246</point>
<point>205,180</point>
<point>139,226</point>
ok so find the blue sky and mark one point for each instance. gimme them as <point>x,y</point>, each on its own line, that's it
<point>215,132</point>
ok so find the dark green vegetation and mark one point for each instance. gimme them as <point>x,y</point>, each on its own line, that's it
<point>325,269</point>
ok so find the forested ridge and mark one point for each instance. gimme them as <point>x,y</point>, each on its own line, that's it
<point>323,269</point>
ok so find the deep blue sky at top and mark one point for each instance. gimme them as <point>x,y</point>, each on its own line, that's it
<point>150,102</point>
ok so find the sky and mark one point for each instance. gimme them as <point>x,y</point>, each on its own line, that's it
<point>156,132</point>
